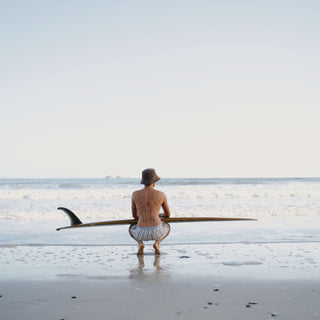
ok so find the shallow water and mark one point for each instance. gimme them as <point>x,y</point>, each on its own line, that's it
<point>288,210</point>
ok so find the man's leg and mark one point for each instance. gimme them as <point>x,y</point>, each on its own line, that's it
<point>156,245</point>
<point>140,243</point>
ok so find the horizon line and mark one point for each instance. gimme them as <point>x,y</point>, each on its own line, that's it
<point>171,177</point>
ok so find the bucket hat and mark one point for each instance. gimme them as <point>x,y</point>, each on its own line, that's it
<point>149,176</point>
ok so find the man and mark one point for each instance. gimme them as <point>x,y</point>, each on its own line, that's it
<point>146,205</point>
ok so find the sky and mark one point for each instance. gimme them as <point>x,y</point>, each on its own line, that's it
<point>191,88</point>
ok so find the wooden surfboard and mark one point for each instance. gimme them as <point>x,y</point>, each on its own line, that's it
<point>76,222</point>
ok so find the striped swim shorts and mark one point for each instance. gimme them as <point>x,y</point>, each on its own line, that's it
<point>149,233</point>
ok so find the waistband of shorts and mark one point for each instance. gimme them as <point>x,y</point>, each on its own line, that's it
<point>149,228</point>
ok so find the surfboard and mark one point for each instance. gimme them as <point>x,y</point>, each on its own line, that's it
<point>76,222</point>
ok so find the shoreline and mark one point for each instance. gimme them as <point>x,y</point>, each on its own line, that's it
<point>231,260</point>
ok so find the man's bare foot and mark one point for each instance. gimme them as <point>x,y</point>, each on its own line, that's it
<point>141,247</point>
<point>156,248</point>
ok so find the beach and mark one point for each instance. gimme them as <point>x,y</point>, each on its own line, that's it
<point>187,299</point>
<point>264,269</point>
<point>243,281</point>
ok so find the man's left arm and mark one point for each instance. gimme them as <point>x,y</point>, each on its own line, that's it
<point>134,208</point>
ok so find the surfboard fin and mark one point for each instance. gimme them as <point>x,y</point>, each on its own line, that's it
<point>73,218</point>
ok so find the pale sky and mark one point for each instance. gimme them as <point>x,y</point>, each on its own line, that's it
<point>191,88</point>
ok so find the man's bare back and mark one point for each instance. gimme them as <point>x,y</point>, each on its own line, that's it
<point>146,205</point>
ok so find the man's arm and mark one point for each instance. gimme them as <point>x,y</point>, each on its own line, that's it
<point>165,208</point>
<point>134,208</point>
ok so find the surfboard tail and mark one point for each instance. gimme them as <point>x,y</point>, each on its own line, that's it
<point>72,216</point>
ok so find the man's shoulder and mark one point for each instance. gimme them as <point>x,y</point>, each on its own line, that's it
<point>160,193</point>
<point>136,192</point>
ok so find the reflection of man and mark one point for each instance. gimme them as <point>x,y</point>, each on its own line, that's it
<point>146,204</point>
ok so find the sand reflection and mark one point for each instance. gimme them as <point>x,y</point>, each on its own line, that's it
<point>148,268</point>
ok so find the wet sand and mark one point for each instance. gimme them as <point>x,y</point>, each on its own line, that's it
<point>231,281</point>
<point>166,299</point>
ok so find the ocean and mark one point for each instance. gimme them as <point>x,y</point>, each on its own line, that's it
<point>287,209</point>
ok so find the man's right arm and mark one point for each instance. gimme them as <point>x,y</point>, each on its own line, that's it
<point>165,207</point>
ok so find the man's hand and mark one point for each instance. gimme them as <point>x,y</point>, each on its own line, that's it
<point>163,215</point>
